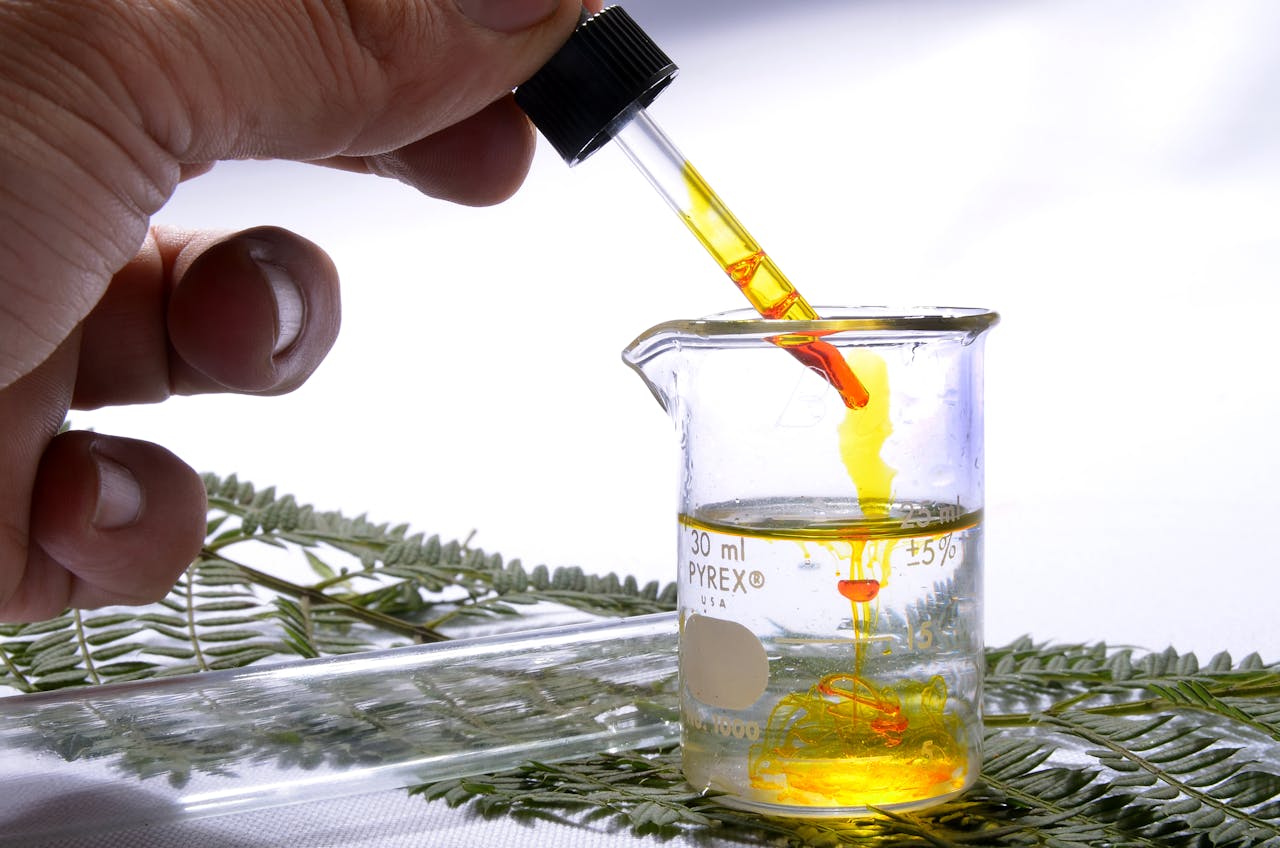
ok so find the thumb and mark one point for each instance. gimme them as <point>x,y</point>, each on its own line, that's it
<point>310,80</point>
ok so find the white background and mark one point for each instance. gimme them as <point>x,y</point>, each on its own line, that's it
<point>1104,174</point>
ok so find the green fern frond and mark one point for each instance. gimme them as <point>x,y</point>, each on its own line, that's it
<point>1142,768</point>
<point>1195,776</point>
<point>376,585</point>
<point>1086,744</point>
<point>1193,694</point>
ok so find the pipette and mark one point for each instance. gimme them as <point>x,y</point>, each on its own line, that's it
<point>595,89</point>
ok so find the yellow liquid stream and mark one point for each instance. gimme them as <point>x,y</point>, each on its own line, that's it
<point>849,741</point>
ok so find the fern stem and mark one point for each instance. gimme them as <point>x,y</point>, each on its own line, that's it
<point>1163,775</point>
<point>445,618</point>
<point>1069,703</point>
<point>309,631</point>
<point>83,642</point>
<point>23,684</point>
<point>913,826</point>
<point>345,577</point>
<point>611,793</point>
<point>1157,705</point>
<point>1269,689</point>
<point>216,546</point>
<point>377,619</point>
<point>191,617</point>
<point>314,537</point>
<point>1012,719</point>
<point>1146,706</point>
<point>1058,813</point>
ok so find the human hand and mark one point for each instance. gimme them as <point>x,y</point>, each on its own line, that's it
<point>104,108</point>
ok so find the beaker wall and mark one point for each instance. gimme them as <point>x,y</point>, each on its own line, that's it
<point>830,558</point>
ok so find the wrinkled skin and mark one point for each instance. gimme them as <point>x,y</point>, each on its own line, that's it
<point>104,108</point>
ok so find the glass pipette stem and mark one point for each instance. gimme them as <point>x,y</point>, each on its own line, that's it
<point>740,256</point>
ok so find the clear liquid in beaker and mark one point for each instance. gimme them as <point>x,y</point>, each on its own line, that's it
<point>871,652</point>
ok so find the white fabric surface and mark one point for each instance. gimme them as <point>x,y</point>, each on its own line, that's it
<point>381,820</point>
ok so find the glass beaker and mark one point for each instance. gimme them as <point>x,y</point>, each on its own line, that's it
<point>830,558</point>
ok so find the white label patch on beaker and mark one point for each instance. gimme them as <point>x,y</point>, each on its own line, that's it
<point>723,663</point>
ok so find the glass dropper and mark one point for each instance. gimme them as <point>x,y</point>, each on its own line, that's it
<point>718,230</point>
<point>595,89</point>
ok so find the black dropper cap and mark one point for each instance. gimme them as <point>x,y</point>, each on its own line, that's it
<point>607,66</point>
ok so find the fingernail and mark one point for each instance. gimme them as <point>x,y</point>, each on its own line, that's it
<point>508,15</point>
<point>119,495</point>
<point>288,298</point>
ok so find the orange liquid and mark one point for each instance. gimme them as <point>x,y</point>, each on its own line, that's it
<point>765,286</point>
<point>859,591</point>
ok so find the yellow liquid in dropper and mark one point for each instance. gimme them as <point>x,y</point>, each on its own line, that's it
<point>759,278</point>
<point>847,741</point>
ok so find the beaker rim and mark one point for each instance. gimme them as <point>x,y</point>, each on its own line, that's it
<point>971,321</point>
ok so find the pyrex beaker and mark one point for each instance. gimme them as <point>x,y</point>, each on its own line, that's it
<point>830,558</point>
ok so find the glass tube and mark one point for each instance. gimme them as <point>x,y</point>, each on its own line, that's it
<point>734,250</point>
<point>247,739</point>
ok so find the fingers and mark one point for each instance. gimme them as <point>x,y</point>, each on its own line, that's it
<point>91,520</point>
<point>311,81</point>
<point>31,411</point>
<point>415,89</point>
<point>85,519</point>
<point>432,110</point>
<point>252,312</point>
<point>113,521</point>
<point>478,161</point>
<point>178,85</point>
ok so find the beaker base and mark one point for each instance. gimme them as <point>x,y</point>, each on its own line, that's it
<point>798,811</point>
